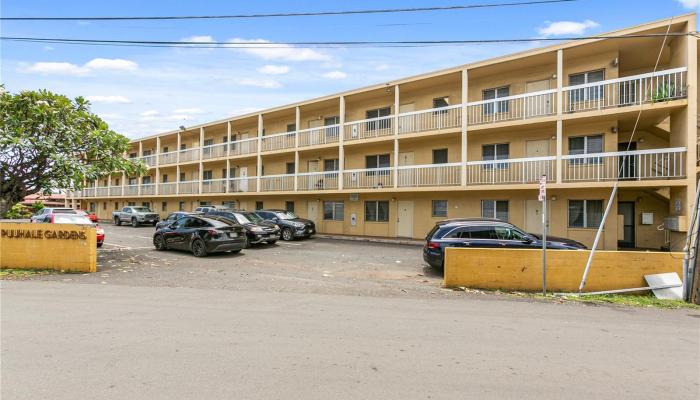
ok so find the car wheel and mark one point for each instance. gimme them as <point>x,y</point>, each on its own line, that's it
<point>271,241</point>
<point>134,222</point>
<point>159,242</point>
<point>235,251</point>
<point>247,244</point>
<point>99,244</point>
<point>198,248</point>
<point>154,224</point>
<point>117,221</point>
<point>287,234</point>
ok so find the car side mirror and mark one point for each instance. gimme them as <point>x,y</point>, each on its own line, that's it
<point>527,240</point>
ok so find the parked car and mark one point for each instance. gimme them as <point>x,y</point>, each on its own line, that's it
<point>135,216</point>
<point>172,217</point>
<point>257,229</point>
<point>91,216</point>
<point>76,219</point>
<point>291,226</point>
<point>201,235</point>
<point>46,211</point>
<point>484,233</point>
<point>206,209</point>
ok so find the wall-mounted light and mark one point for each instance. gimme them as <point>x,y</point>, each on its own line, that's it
<point>554,198</point>
<point>554,76</point>
<point>615,62</point>
<point>613,129</point>
<point>641,140</point>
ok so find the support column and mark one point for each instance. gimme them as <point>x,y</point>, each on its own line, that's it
<point>465,100</point>
<point>297,124</point>
<point>296,170</point>
<point>201,157</point>
<point>228,168</point>
<point>177,179</point>
<point>258,171</point>
<point>179,143</point>
<point>396,135</point>
<point>692,119</point>
<point>341,141</point>
<point>560,109</point>
<point>228,141</point>
<point>157,156</point>
<point>109,185</point>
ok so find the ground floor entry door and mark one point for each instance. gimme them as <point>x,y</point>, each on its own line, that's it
<point>533,216</point>
<point>405,219</point>
<point>626,209</point>
<point>312,209</point>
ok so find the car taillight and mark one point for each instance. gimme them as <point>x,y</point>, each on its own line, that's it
<point>52,218</point>
<point>433,245</point>
<point>99,230</point>
<point>213,233</point>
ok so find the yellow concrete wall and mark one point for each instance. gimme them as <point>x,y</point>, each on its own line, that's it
<point>517,80</point>
<point>515,269</point>
<point>45,249</point>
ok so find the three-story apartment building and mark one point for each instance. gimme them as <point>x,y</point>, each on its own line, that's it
<point>471,141</point>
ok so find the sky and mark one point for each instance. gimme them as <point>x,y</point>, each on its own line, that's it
<point>143,91</point>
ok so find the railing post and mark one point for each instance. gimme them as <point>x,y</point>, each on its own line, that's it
<point>259,157</point>
<point>465,126</point>
<point>341,144</point>
<point>560,109</point>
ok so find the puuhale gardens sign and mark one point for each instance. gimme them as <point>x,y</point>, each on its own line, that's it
<point>43,234</point>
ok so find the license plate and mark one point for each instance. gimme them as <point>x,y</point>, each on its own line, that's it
<point>232,234</point>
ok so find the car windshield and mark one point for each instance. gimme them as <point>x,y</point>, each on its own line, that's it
<point>71,219</point>
<point>286,215</point>
<point>253,217</point>
<point>141,209</point>
<point>242,219</point>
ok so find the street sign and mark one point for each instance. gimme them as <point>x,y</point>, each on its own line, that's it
<point>543,188</point>
<point>543,198</point>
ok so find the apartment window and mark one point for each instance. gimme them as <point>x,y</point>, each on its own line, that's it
<point>229,204</point>
<point>223,173</point>
<point>181,206</point>
<point>377,161</point>
<point>492,152</point>
<point>586,145</point>
<point>183,177</point>
<point>290,168</point>
<point>585,213</point>
<point>207,175</point>
<point>207,149</point>
<point>333,210</point>
<point>92,207</point>
<point>131,204</point>
<point>183,146</point>
<point>441,102</point>
<point>133,181</point>
<point>164,206</point>
<point>587,93</point>
<point>224,139</point>
<point>378,113</point>
<point>440,156</point>
<point>165,149</point>
<point>494,209</point>
<point>291,127</point>
<point>146,180</point>
<point>259,205</point>
<point>116,205</point>
<point>330,165</point>
<point>204,203</point>
<point>332,130</point>
<point>498,106</point>
<point>147,152</point>
<point>104,205</point>
<point>116,182</point>
<point>289,206</point>
<point>146,204</point>
<point>376,211</point>
<point>439,208</point>
<point>164,178</point>
<point>208,142</point>
<point>133,155</point>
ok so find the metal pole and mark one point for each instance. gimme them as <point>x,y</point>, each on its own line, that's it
<point>597,237</point>
<point>686,250</point>
<point>544,246</point>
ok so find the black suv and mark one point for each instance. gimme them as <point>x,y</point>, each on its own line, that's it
<point>257,229</point>
<point>201,235</point>
<point>485,233</point>
<point>291,226</point>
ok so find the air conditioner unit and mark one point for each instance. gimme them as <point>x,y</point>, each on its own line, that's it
<point>678,223</point>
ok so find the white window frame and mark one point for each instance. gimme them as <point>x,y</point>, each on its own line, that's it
<point>495,209</point>
<point>585,213</point>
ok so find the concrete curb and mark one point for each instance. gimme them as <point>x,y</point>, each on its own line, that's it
<point>406,242</point>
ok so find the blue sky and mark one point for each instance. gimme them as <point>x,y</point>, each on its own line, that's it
<point>143,91</point>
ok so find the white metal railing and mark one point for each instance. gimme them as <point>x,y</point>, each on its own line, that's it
<point>431,120</point>
<point>369,178</point>
<point>317,180</point>
<point>430,175</point>
<point>637,89</point>
<point>214,151</point>
<point>188,187</point>
<point>115,191</point>
<point>245,146</point>
<point>519,106</point>
<point>625,165</point>
<point>148,188</point>
<point>167,188</point>
<point>244,184</point>
<point>101,191</point>
<point>214,186</point>
<point>515,170</point>
<point>167,158</point>
<point>189,155</point>
<point>321,135</point>
<point>274,183</point>
<point>131,190</point>
<point>149,160</point>
<point>278,141</point>
<point>89,192</point>
<point>368,128</point>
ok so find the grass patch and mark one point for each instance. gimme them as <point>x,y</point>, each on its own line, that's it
<point>645,300</point>
<point>18,274</point>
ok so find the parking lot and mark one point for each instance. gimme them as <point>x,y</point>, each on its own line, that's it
<point>314,265</point>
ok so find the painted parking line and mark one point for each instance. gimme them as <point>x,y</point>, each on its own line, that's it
<point>121,248</point>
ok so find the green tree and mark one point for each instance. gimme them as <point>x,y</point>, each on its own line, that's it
<point>37,206</point>
<point>48,141</point>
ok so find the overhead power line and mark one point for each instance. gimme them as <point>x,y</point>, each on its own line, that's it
<point>317,44</point>
<point>293,14</point>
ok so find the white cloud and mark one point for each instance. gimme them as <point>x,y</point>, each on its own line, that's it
<point>261,83</point>
<point>200,39</point>
<point>188,111</point>
<point>269,51</point>
<point>108,99</point>
<point>381,67</point>
<point>335,75</point>
<point>274,69</point>
<point>149,113</point>
<point>48,48</point>
<point>559,28</point>
<point>113,64</point>
<point>178,117</point>
<point>111,116</point>
<point>690,4</point>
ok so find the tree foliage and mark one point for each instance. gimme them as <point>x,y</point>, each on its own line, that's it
<point>48,141</point>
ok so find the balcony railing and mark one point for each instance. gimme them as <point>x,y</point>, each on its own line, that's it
<point>317,180</point>
<point>321,135</point>
<point>625,165</point>
<point>515,170</point>
<point>189,155</point>
<point>149,160</point>
<point>431,120</point>
<point>115,191</point>
<point>89,192</point>
<point>167,158</point>
<point>516,107</point>
<point>651,87</point>
<point>131,190</point>
<point>188,187</point>
<point>214,186</point>
<point>430,175</point>
<point>276,183</point>
<point>167,188</point>
<point>148,189</point>
<point>278,141</point>
<point>370,178</point>
<point>242,184</point>
<point>368,128</point>
<point>214,151</point>
<point>101,191</point>
<point>243,147</point>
